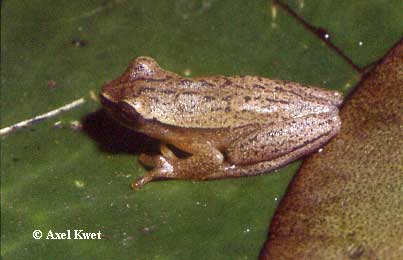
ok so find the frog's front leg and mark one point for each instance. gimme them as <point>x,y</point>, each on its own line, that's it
<point>204,159</point>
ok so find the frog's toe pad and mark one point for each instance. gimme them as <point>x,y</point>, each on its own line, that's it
<point>140,182</point>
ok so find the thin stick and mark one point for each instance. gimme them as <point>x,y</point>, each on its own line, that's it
<point>316,31</point>
<point>36,119</point>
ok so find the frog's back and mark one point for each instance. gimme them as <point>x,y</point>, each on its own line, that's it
<point>222,102</point>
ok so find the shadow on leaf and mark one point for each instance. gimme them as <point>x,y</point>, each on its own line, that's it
<point>113,138</point>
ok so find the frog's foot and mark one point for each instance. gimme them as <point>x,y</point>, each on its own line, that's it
<point>162,166</point>
<point>204,159</point>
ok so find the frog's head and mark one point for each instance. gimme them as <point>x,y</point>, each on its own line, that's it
<point>140,68</point>
<point>115,92</point>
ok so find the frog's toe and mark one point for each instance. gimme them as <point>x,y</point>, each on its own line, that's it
<point>140,182</point>
<point>163,169</point>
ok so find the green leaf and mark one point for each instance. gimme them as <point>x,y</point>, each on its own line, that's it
<point>55,177</point>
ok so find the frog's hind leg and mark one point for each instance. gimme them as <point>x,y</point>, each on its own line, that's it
<point>287,138</point>
<point>231,170</point>
<point>277,146</point>
<point>205,159</point>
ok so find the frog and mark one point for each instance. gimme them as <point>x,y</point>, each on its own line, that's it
<point>227,126</point>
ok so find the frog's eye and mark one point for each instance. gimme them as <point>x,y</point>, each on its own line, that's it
<point>143,67</point>
<point>127,113</point>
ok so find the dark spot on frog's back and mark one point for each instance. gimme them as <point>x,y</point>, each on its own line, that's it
<point>154,99</point>
<point>227,98</point>
<point>258,86</point>
<point>153,79</point>
<point>208,98</point>
<point>189,93</point>
<point>247,98</point>
<point>146,89</point>
<point>215,109</point>
<point>185,82</point>
<point>167,91</point>
<point>205,83</point>
<point>277,88</point>
<point>227,82</point>
<point>277,101</point>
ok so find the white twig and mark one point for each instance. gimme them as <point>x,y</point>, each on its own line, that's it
<point>36,119</point>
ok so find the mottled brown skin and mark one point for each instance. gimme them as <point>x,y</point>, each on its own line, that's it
<point>231,126</point>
